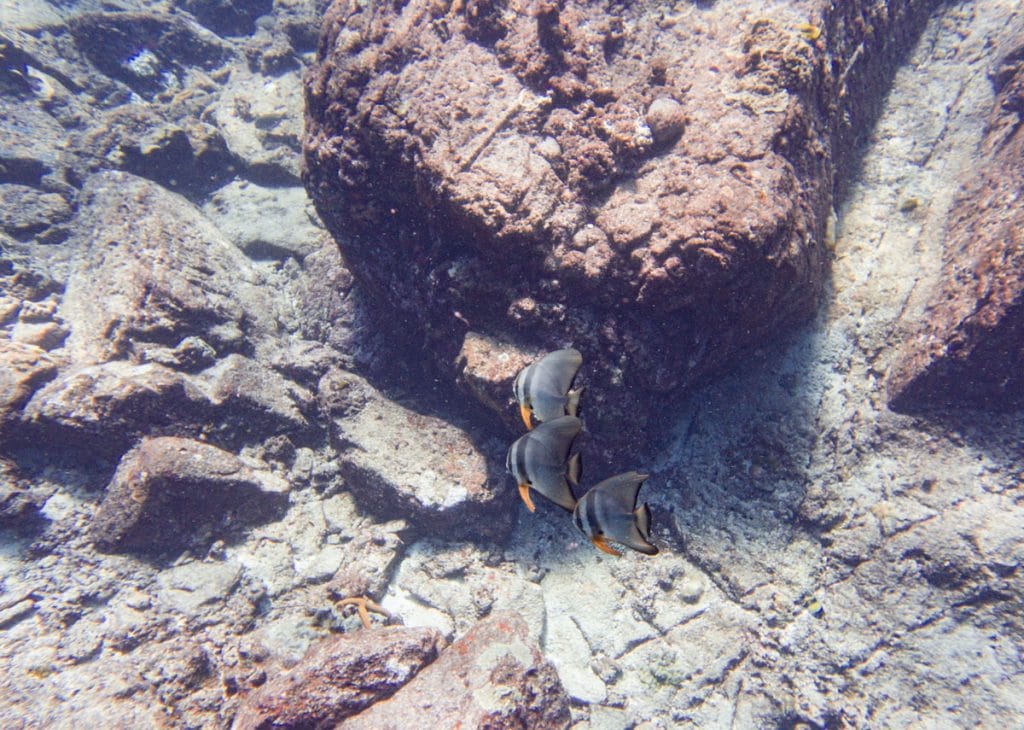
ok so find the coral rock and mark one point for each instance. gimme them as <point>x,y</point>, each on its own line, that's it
<point>494,676</point>
<point>339,677</point>
<point>141,283</point>
<point>710,241</point>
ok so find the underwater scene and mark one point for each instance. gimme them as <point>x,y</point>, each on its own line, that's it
<point>511,364</point>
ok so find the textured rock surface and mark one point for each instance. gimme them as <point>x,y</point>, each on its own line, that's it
<point>494,676</point>
<point>24,369</point>
<point>824,561</point>
<point>105,407</point>
<point>545,212</point>
<point>969,348</point>
<point>167,489</point>
<point>153,271</point>
<point>340,677</point>
<point>400,463</point>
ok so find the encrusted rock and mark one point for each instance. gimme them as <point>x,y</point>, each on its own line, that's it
<point>494,676</point>
<point>150,52</point>
<point>105,407</point>
<point>256,398</point>
<point>969,348</point>
<point>666,118</point>
<point>241,210</point>
<point>339,677</point>
<point>23,369</point>
<point>709,242</point>
<point>487,368</point>
<point>167,489</point>
<point>400,463</point>
<point>141,281</point>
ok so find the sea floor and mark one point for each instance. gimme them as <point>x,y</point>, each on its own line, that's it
<point>824,561</point>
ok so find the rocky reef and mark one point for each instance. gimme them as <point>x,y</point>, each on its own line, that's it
<point>650,186</point>
<point>245,476</point>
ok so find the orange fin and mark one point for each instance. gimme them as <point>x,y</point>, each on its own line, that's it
<point>525,412</point>
<point>601,544</point>
<point>524,492</point>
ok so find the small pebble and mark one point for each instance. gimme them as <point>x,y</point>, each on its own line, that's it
<point>666,119</point>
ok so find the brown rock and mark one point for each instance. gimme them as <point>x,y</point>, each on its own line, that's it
<point>261,400</point>
<point>106,407</point>
<point>493,677</point>
<point>487,368</point>
<point>970,347</point>
<point>339,677</point>
<point>709,242</point>
<point>166,489</point>
<point>23,369</point>
<point>152,272</point>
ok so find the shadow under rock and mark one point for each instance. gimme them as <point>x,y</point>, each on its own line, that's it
<point>727,487</point>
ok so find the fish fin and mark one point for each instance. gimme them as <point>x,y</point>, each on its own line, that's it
<point>573,472</point>
<point>524,492</point>
<point>556,437</point>
<point>572,402</point>
<point>638,543</point>
<point>563,497</point>
<point>524,411</point>
<point>621,490</point>
<point>602,544</point>
<point>643,520</point>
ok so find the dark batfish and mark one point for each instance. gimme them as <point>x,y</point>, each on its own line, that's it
<point>542,388</point>
<point>609,512</point>
<point>541,460</point>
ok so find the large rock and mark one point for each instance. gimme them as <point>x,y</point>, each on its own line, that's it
<point>153,270</point>
<point>105,407</point>
<point>167,491</point>
<point>400,463</point>
<point>659,210</point>
<point>340,677</point>
<point>969,348</point>
<point>494,676</point>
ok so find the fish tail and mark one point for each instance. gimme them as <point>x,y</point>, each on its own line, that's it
<point>573,470</point>
<point>643,520</point>
<point>572,405</point>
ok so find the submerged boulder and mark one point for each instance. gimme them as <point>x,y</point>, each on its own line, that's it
<point>494,676</point>
<point>168,490</point>
<point>340,677</point>
<point>661,210</point>
<point>153,271</point>
<point>969,347</point>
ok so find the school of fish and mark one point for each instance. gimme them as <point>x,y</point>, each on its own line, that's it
<point>542,460</point>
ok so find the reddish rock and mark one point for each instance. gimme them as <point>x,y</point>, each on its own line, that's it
<point>104,408</point>
<point>970,347</point>
<point>339,677</point>
<point>493,677</point>
<point>542,177</point>
<point>166,489</point>
<point>487,369</point>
